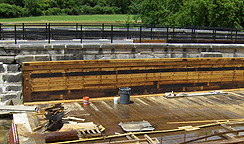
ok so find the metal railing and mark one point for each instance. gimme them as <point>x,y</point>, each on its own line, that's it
<point>171,34</point>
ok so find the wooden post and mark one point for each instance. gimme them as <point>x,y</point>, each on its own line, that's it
<point>26,86</point>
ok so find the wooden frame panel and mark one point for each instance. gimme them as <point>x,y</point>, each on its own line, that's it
<point>59,79</point>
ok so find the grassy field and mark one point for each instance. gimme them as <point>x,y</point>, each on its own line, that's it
<point>106,19</point>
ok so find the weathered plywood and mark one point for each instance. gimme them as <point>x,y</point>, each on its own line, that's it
<point>59,79</point>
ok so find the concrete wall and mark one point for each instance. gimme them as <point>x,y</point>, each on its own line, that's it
<point>12,57</point>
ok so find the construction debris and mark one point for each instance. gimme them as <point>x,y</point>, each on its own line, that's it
<point>136,126</point>
<point>183,94</point>
<point>18,108</point>
<point>73,118</point>
<point>74,134</point>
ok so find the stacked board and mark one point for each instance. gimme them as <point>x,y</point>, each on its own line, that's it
<point>58,80</point>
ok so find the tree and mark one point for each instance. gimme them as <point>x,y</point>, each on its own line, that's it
<point>214,13</point>
<point>193,13</point>
<point>33,7</point>
<point>11,11</point>
<point>153,12</point>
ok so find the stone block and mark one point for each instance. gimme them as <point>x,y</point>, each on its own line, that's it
<point>55,51</point>
<point>1,90</point>
<point>13,88</point>
<point>92,46</point>
<point>126,56</point>
<point>143,46</point>
<point>1,67</point>
<point>12,50</point>
<point>73,51</point>
<point>48,46</point>
<point>8,97</point>
<point>12,78</point>
<point>7,59</point>
<point>67,57</point>
<point>77,46</point>
<point>24,58</point>
<point>58,46</point>
<point>139,56</point>
<point>31,47</point>
<point>42,58</point>
<point>89,57</point>
<point>13,68</point>
<point>2,51</point>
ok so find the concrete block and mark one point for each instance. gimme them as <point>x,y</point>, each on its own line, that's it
<point>12,78</point>
<point>13,68</point>
<point>13,88</point>
<point>24,58</point>
<point>7,59</point>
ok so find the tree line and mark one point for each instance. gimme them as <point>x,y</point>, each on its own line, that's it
<point>213,13</point>
<point>23,8</point>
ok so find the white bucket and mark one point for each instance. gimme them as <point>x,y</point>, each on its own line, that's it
<point>116,100</point>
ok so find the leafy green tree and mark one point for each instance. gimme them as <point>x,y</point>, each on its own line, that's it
<point>223,14</point>
<point>153,12</point>
<point>13,2</point>
<point>11,11</point>
<point>192,13</point>
<point>33,7</point>
<point>239,9</point>
<point>214,13</point>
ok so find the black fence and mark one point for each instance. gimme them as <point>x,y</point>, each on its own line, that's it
<point>171,34</point>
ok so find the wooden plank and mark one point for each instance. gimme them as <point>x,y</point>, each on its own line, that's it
<point>149,140</point>
<point>118,63</point>
<point>26,86</point>
<point>76,81</point>
<point>18,108</point>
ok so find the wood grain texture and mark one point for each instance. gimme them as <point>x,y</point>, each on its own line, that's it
<point>102,77</point>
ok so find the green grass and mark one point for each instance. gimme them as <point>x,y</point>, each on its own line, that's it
<point>107,19</point>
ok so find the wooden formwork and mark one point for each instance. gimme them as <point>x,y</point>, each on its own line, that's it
<point>58,80</point>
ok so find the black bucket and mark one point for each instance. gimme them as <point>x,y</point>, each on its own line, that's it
<point>124,95</point>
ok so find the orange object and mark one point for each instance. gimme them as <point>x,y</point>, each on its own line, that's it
<point>86,100</point>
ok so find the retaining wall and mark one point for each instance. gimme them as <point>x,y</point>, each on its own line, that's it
<point>12,57</point>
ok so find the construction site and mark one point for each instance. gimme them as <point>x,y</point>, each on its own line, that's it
<point>156,91</point>
<point>174,100</point>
